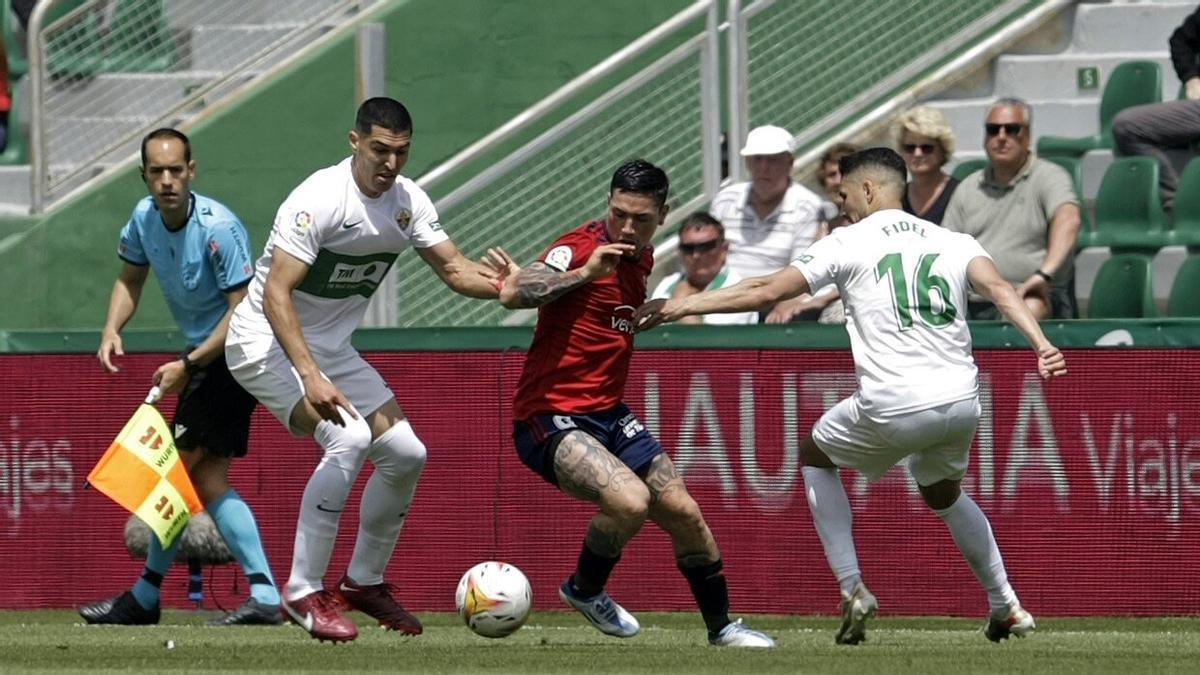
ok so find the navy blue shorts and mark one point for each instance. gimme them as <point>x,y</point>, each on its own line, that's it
<point>617,429</point>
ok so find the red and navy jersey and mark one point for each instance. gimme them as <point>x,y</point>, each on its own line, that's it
<point>581,347</point>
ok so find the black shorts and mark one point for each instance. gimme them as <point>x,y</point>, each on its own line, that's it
<point>618,429</point>
<point>213,412</point>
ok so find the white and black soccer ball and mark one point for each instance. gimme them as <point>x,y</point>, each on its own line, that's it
<point>493,599</point>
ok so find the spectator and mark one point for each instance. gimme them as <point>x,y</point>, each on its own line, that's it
<point>770,219</point>
<point>1024,212</point>
<point>926,141</point>
<point>825,305</point>
<point>1153,128</point>
<point>702,251</point>
<point>5,99</point>
<point>829,176</point>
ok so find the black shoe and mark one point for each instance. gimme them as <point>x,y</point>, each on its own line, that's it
<point>251,613</point>
<point>122,610</point>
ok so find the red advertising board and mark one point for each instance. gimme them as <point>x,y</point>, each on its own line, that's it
<point>1092,484</point>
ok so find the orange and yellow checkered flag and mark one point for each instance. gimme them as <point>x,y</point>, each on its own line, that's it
<point>142,472</point>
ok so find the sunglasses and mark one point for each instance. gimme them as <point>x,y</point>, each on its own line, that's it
<point>1012,128</point>
<point>926,148</point>
<point>699,247</point>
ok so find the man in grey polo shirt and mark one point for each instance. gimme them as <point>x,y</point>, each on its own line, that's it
<point>1024,212</point>
<point>770,219</point>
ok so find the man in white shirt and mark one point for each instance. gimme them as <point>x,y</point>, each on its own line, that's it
<point>334,239</point>
<point>770,219</point>
<point>904,284</point>
<point>702,251</point>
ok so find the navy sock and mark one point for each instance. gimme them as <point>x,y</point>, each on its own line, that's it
<point>591,572</point>
<point>711,593</point>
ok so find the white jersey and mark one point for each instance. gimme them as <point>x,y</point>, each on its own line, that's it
<point>904,285</point>
<point>349,241</point>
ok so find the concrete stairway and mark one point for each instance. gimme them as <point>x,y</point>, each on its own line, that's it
<point>211,39</point>
<point>1043,71</point>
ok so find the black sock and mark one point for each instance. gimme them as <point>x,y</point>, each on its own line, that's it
<point>591,572</point>
<point>151,577</point>
<point>711,593</point>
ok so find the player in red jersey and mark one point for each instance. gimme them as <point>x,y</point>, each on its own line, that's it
<point>570,425</point>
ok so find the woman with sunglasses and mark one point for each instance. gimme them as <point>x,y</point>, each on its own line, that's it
<point>926,142</point>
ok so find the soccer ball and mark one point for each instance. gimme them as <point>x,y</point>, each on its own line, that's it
<point>493,598</point>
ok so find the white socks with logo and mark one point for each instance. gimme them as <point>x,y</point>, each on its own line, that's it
<point>833,519</point>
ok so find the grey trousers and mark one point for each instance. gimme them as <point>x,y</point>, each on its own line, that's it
<point>1153,128</point>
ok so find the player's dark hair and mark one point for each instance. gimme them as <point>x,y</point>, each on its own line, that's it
<point>386,113</point>
<point>884,159</point>
<point>641,176</point>
<point>167,132</point>
<point>702,219</point>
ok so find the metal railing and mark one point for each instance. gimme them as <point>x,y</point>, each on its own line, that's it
<point>104,73</point>
<point>667,113</point>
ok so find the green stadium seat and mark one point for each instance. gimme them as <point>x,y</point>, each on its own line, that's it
<point>139,39</point>
<point>1131,83</point>
<point>1184,300</point>
<point>1186,229</point>
<point>967,167</point>
<point>75,50</point>
<point>1074,168</point>
<point>16,151</point>
<point>1124,288</point>
<point>18,65</point>
<point>1129,215</point>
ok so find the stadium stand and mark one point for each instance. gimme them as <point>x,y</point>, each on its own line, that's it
<point>1131,83</point>
<point>1185,230</point>
<point>968,167</point>
<point>1124,288</point>
<point>1129,213</point>
<point>1184,300</point>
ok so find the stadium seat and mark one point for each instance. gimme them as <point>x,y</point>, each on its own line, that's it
<point>16,150</point>
<point>1186,228</point>
<point>1184,300</point>
<point>73,51</point>
<point>139,39</point>
<point>1131,83</point>
<point>1074,168</point>
<point>1124,288</point>
<point>1129,215</point>
<point>967,167</point>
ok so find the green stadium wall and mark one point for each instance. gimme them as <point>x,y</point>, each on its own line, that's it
<point>463,67</point>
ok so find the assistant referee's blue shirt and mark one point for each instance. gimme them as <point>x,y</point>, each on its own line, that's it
<point>195,265</point>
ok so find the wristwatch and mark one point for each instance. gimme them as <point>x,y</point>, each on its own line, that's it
<point>189,365</point>
<point>1045,276</point>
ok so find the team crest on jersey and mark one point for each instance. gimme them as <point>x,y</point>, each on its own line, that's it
<point>559,258</point>
<point>303,220</point>
<point>403,217</point>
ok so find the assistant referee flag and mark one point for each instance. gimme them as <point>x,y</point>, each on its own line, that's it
<point>142,472</point>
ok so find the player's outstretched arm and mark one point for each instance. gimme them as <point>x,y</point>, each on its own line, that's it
<point>462,275</point>
<point>747,295</point>
<point>538,283</point>
<point>986,280</point>
<point>122,303</point>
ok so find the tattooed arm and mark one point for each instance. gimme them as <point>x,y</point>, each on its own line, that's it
<point>538,283</point>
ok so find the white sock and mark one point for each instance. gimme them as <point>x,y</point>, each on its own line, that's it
<point>833,519</point>
<point>323,502</point>
<point>399,457</point>
<point>973,535</point>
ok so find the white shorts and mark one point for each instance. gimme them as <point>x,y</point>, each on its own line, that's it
<point>264,370</point>
<point>936,441</point>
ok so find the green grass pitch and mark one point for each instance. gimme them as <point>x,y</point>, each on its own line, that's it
<point>559,642</point>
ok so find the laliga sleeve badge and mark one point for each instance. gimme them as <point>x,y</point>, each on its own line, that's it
<point>559,258</point>
<point>302,221</point>
<point>403,217</point>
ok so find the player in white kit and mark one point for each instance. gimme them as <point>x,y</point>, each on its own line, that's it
<point>903,281</point>
<point>334,239</point>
